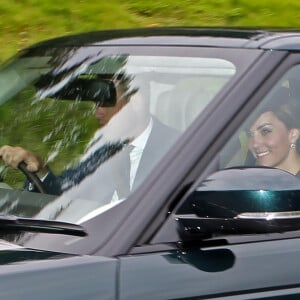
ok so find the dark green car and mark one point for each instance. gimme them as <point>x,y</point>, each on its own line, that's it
<point>157,163</point>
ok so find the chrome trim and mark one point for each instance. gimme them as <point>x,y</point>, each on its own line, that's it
<point>269,215</point>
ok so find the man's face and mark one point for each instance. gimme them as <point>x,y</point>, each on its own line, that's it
<point>104,114</point>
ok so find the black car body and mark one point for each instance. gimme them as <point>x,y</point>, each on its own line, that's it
<point>204,222</point>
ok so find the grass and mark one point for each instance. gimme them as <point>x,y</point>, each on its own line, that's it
<point>24,22</point>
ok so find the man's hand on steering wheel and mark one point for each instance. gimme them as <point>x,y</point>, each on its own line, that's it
<point>28,162</point>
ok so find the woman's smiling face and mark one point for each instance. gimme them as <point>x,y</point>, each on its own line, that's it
<point>270,141</point>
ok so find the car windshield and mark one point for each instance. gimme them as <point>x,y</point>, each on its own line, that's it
<point>88,112</point>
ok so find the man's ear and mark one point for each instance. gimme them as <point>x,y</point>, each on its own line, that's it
<point>294,135</point>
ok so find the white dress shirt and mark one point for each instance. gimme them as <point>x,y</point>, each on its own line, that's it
<point>139,144</point>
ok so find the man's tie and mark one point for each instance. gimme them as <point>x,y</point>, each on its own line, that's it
<point>123,171</point>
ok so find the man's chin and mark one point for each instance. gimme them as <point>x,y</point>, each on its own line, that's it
<point>102,123</point>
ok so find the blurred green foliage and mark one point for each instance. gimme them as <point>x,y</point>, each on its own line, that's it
<point>24,22</point>
<point>58,130</point>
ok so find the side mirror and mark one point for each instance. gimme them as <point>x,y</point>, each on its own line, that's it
<point>242,201</point>
<point>208,260</point>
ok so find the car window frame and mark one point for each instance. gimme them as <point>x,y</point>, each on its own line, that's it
<point>169,191</point>
<point>110,244</point>
<point>289,60</point>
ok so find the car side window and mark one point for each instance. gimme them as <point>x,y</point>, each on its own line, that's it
<point>270,136</point>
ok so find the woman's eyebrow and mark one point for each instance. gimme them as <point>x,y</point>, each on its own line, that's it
<point>261,126</point>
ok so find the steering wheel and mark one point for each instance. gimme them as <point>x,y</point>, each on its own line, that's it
<point>32,177</point>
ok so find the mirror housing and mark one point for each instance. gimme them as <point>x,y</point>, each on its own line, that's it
<point>242,201</point>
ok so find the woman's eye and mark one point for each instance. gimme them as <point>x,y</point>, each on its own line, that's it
<point>266,131</point>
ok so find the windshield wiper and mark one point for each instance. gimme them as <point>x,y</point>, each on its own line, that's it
<point>14,223</point>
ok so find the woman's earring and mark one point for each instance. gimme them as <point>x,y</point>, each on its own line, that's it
<point>293,146</point>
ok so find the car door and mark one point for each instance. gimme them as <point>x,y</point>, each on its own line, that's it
<point>31,274</point>
<point>255,266</point>
<point>257,270</point>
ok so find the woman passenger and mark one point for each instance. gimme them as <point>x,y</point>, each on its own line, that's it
<point>274,135</point>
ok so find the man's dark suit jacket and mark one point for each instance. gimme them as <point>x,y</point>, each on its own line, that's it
<point>160,140</point>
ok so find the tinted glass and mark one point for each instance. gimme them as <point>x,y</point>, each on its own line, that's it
<point>81,109</point>
<point>270,135</point>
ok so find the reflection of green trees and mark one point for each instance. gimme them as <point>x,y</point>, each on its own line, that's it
<point>57,130</point>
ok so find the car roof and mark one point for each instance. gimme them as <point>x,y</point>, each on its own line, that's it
<point>276,39</point>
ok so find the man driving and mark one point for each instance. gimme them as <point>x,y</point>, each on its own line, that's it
<point>127,123</point>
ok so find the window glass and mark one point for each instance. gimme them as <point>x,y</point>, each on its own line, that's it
<point>97,123</point>
<point>269,137</point>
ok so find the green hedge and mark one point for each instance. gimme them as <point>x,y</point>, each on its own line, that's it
<point>24,22</point>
